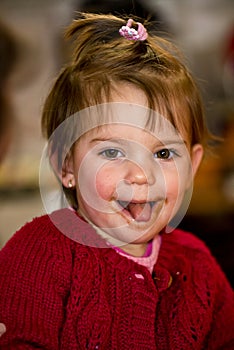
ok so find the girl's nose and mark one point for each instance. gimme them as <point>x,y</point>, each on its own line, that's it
<point>136,174</point>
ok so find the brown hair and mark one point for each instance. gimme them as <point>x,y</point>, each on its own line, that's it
<point>101,58</point>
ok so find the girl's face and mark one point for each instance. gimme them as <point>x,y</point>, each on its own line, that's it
<point>130,182</point>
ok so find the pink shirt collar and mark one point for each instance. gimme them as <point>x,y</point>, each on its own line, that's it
<point>149,259</point>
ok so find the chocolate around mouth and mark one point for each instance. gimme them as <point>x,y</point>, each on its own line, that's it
<point>138,211</point>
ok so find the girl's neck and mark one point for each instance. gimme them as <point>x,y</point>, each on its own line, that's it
<point>137,250</point>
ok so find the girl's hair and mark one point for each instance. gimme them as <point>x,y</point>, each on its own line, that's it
<point>102,58</point>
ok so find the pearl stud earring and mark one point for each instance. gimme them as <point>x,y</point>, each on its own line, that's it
<point>70,184</point>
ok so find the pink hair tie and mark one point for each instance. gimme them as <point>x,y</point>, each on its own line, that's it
<point>130,33</point>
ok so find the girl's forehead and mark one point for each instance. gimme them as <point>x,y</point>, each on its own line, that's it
<point>130,132</point>
<point>122,114</point>
<point>128,104</point>
<point>122,119</point>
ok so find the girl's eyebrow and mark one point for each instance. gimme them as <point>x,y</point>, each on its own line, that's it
<point>123,141</point>
<point>173,142</point>
<point>110,139</point>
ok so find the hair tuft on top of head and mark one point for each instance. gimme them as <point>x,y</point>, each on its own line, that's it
<point>130,33</point>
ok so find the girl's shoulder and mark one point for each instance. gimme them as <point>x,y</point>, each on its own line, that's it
<point>40,254</point>
<point>39,242</point>
<point>187,255</point>
<point>61,226</point>
<point>40,229</point>
<point>55,236</point>
<point>184,241</point>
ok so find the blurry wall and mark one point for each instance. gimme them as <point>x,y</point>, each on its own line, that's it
<point>37,26</point>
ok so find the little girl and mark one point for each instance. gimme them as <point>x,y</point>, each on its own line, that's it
<point>126,135</point>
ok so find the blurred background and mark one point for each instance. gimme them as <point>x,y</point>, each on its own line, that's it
<point>31,54</point>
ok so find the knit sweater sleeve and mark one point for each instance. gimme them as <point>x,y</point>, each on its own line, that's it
<point>221,336</point>
<point>35,269</point>
<point>219,297</point>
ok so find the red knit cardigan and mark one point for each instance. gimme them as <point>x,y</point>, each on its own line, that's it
<point>56,293</point>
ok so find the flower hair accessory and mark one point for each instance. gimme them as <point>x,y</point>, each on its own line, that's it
<point>130,33</point>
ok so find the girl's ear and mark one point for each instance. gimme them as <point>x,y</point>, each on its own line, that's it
<point>197,152</point>
<point>68,179</point>
<point>65,174</point>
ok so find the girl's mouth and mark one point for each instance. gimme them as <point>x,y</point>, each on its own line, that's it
<point>138,211</point>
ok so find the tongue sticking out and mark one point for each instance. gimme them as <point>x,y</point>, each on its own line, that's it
<point>140,211</point>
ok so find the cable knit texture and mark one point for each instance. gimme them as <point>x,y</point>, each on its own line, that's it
<point>56,293</point>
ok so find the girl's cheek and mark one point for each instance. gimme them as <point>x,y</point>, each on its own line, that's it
<point>105,184</point>
<point>171,179</point>
<point>172,186</point>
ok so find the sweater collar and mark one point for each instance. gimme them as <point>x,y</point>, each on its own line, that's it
<point>147,261</point>
<point>169,258</point>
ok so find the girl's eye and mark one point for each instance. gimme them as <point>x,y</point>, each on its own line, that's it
<point>165,153</point>
<point>111,153</point>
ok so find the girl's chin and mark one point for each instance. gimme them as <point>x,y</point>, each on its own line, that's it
<point>123,224</point>
<point>139,233</point>
<point>121,227</point>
